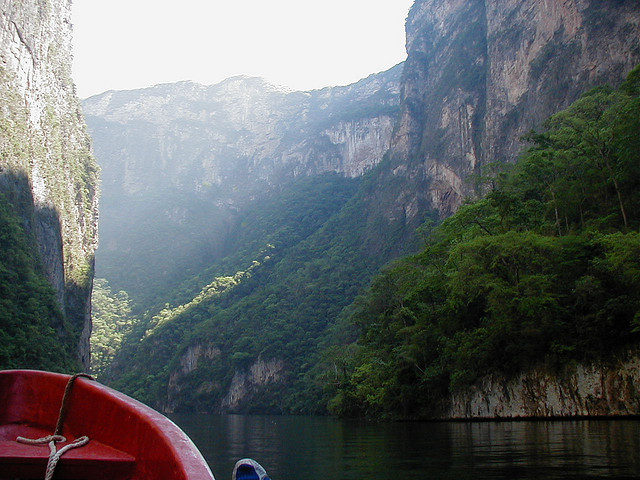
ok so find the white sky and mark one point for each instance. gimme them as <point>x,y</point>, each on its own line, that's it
<point>301,44</point>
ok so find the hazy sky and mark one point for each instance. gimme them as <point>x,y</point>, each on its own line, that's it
<point>302,44</point>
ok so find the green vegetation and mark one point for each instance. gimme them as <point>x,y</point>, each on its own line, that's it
<point>299,259</point>
<point>292,271</point>
<point>545,269</point>
<point>542,270</point>
<point>33,332</point>
<point>112,321</point>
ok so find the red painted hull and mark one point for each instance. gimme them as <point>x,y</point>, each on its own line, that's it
<point>128,440</point>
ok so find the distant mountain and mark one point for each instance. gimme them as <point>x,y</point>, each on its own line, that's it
<point>180,162</point>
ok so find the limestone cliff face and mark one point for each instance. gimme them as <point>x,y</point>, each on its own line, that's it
<point>213,151</point>
<point>247,384</point>
<point>543,55</point>
<point>245,387</point>
<point>240,131</point>
<point>593,390</point>
<point>481,73</point>
<point>194,355</point>
<point>359,145</point>
<point>443,104</point>
<point>45,157</point>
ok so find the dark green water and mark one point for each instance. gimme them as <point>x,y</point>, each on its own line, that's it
<point>317,448</point>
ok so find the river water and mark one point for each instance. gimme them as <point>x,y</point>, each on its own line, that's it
<point>319,448</point>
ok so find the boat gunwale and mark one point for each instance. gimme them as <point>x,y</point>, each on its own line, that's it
<point>161,449</point>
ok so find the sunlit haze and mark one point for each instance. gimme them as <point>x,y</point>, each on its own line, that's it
<point>304,45</point>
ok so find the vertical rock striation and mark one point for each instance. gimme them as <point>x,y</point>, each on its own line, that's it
<point>46,165</point>
<point>437,141</point>
<point>543,55</point>
<point>481,73</point>
<point>581,390</point>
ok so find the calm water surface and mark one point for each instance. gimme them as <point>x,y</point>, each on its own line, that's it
<point>318,448</point>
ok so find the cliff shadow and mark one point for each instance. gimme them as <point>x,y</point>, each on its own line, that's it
<point>36,249</point>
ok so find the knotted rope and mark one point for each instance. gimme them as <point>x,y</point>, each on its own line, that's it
<point>54,453</point>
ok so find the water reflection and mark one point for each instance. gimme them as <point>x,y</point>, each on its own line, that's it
<point>317,448</point>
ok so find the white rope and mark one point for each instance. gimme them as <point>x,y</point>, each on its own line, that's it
<point>54,454</point>
<point>41,441</point>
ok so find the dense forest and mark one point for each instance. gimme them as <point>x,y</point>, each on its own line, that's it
<point>542,270</point>
<point>293,270</point>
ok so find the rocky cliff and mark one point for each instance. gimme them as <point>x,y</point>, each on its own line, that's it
<point>212,151</point>
<point>247,385</point>
<point>241,131</point>
<point>46,167</point>
<point>595,390</point>
<point>479,74</point>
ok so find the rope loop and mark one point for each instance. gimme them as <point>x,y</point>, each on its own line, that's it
<point>54,453</point>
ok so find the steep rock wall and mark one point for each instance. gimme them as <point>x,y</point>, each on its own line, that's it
<point>360,144</point>
<point>189,361</point>
<point>436,144</point>
<point>44,141</point>
<point>481,73</point>
<point>591,390</point>
<point>247,384</point>
<point>543,55</point>
<point>244,388</point>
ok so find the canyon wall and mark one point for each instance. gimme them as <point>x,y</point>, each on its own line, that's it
<point>181,162</point>
<point>481,73</point>
<point>246,386</point>
<point>47,170</point>
<point>242,131</point>
<point>610,389</point>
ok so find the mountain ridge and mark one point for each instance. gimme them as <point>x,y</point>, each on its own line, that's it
<point>214,150</point>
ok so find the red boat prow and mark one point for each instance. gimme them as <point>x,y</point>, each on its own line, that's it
<point>127,439</point>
